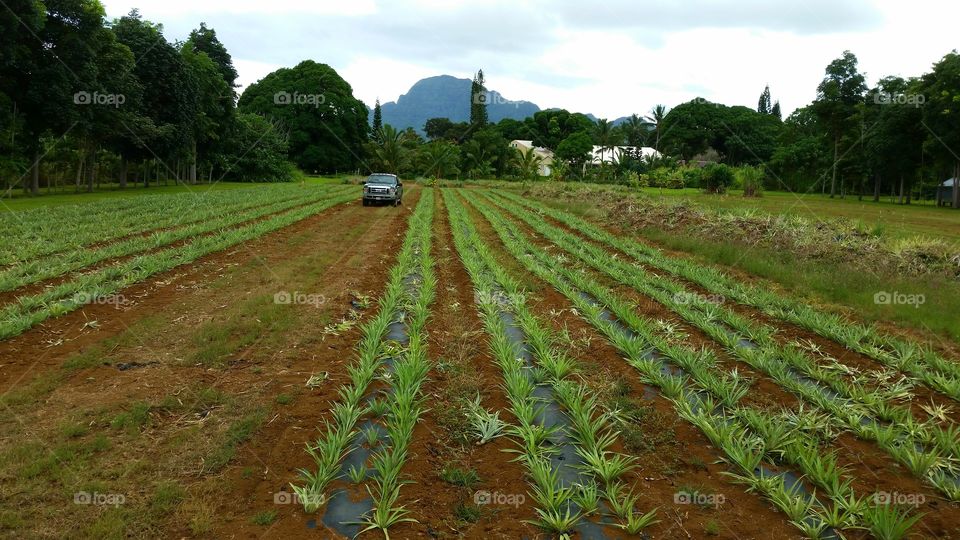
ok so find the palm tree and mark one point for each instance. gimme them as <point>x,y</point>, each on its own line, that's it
<point>439,159</point>
<point>389,150</point>
<point>476,161</point>
<point>636,129</point>
<point>606,136</point>
<point>657,114</point>
<point>528,163</point>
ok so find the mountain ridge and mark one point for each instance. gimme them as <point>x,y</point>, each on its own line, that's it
<point>446,96</point>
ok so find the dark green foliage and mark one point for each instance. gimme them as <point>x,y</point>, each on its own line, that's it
<point>377,119</point>
<point>460,476</point>
<point>764,106</point>
<point>478,101</point>
<point>256,151</point>
<point>739,134</point>
<point>717,178</point>
<point>575,148</point>
<point>204,40</point>
<point>327,126</point>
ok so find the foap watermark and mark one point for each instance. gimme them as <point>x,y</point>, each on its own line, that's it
<point>97,98</point>
<point>86,299</point>
<point>688,298</point>
<point>884,298</point>
<point>483,497</point>
<point>299,298</point>
<point>887,98</point>
<point>887,498</point>
<point>699,499</point>
<point>287,497</point>
<point>296,98</point>
<point>99,499</point>
<point>493,98</point>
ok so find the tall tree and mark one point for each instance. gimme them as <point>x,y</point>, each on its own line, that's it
<point>635,130</point>
<point>764,106</point>
<point>775,111</point>
<point>328,126</point>
<point>657,114</point>
<point>942,115</point>
<point>478,101</point>
<point>377,119</point>
<point>605,136</point>
<point>213,110</point>
<point>50,70</point>
<point>575,150</point>
<point>439,159</point>
<point>839,93</point>
<point>205,40</point>
<point>169,93</point>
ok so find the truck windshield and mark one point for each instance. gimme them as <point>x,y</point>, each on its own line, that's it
<point>382,180</point>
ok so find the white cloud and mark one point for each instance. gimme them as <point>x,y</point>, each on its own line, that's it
<point>611,60</point>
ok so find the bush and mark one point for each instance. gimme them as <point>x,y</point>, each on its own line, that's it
<point>717,178</point>
<point>751,180</point>
<point>692,177</point>
<point>634,180</point>
<point>667,178</point>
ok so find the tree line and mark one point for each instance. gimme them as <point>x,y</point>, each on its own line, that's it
<point>900,137</point>
<point>85,100</point>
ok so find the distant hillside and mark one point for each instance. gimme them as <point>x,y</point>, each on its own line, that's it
<point>445,96</point>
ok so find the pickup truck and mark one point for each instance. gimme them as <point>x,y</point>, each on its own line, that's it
<point>382,187</point>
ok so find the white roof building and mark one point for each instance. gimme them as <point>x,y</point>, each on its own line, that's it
<point>546,155</point>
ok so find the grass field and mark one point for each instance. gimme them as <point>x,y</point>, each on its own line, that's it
<point>20,201</point>
<point>281,361</point>
<point>886,216</point>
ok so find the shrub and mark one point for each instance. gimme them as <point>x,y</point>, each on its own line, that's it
<point>717,178</point>
<point>751,180</point>
<point>692,177</point>
<point>667,178</point>
<point>634,180</point>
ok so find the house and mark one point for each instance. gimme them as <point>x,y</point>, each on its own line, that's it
<point>945,193</point>
<point>546,155</point>
<point>607,154</point>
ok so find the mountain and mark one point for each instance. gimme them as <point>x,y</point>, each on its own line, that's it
<point>445,96</point>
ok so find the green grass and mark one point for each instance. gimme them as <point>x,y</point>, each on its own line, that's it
<point>820,282</point>
<point>112,191</point>
<point>239,431</point>
<point>467,512</point>
<point>894,220</point>
<point>166,497</point>
<point>917,218</point>
<point>258,319</point>
<point>459,476</point>
<point>265,517</point>
<point>133,419</point>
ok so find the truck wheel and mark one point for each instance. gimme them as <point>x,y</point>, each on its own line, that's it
<point>366,202</point>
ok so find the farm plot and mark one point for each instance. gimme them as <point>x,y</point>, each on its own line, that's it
<point>770,454</point>
<point>510,369</point>
<point>209,230</point>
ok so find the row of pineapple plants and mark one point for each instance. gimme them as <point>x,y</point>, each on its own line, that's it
<point>709,399</point>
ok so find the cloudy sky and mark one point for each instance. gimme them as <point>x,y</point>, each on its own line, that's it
<point>609,58</point>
